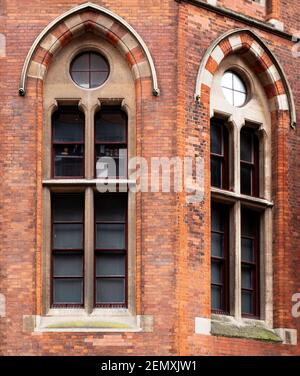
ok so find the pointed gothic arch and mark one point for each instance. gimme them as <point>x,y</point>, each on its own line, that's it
<point>78,20</point>
<point>263,62</point>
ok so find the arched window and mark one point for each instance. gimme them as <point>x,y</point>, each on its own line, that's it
<point>240,189</point>
<point>89,99</point>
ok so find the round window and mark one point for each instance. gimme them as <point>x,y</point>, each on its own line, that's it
<point>234,89</point>
<point>89,70</point>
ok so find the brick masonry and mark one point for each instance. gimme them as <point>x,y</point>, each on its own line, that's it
<point>173,239</point>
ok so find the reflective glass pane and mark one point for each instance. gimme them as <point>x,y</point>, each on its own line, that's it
<point>247,250</point>
<point>247,302</point>
<point>227,80</point>
<point>111,126</point>
<point>216,244</point>
<point>81,79</point>
<point>98,78</point>
<point>228,94</point>
<point>110,290</point>
<point>110,264</point>
<point>216,138</point>
<point>68,291</point>
<point>110,207</point>
<point>216,171</point>
<point>239,98</point>
<point>67,264</point>
<point>67,236</point>
<point>216,273</point>
<point>68,207</point>
<point>238,84</point>
<point>68,160</point>
<point>110,236</point>
<point>216,297</point>
<point>246,146</point>
<point>246,179</point>
<point>68,125</point>
<point>81,63</point>
<point>246,277</point>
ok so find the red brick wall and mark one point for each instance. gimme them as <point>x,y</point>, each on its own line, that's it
<point>248,7</point>
<point>173,238</point>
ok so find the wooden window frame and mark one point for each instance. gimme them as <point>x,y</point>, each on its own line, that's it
<point>254,266</point>
<point>224,157</point>
<point>110,109</point>
<point>112,251</point>
<point>71,250</point>
<point>55,143</point>
<point>223,260</point>
<point>254,164</point>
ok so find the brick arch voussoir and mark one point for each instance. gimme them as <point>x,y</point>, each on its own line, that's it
<point>260,62</point>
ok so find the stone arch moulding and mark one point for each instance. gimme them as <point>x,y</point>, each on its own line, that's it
<point>263,62</point>
<point>78,20</point>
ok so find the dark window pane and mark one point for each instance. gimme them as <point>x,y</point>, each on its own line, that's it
<point>216,272</point>
<point>216,172</point>
<point>98,78</point>
<point>67,236</point>
<point>68,264</point>
<point>68,160</point>
<point>110,236</point>
<point>216,138</point>
<point>246,277</point>
<point>249,220</point>
<point>98,63</point>
<point>217,217</point>
<point>68,291</point>
<point>247,250</point>
<point>110,264</point>
<point>81,63</point>
<point>246,146</point>
<point>216,298</point>
<point>247,302</point>
<point>110,208</point>
<point>111,126</point>
<point>216,244</point>
<point>110,290</point>
<point>68,125</point>
<point>246,179</point>
<point>68,207</point>
<point>82,79</point>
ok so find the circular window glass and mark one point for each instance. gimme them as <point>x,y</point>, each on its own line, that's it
<point>89,70</point>
<point>234,89</point>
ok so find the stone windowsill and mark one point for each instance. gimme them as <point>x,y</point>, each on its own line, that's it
<point>77,320</point>
<point>228,326</point>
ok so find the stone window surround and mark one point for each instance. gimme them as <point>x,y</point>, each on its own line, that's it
<point>209,79</point>
<point>235,119</point>
<point>89,318</point>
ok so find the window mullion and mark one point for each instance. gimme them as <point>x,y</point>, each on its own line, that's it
<point>89,250</point>
<point>89,142</point>
<point>235,165</point>
<point>235,253</point>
